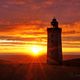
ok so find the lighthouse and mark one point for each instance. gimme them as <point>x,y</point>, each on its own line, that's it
<point>54,44</point>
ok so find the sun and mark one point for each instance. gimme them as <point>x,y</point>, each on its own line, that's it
<point>36,50</point>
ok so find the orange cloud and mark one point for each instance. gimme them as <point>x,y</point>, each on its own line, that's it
<point>71,27</point>
<point>21,36</point>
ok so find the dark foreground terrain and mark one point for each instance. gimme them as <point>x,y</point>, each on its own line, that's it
<point>38,71</point>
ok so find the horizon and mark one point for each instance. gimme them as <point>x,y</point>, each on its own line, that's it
<point>24,58</point>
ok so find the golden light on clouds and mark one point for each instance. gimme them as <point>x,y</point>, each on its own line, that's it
<point>69,49</point>
<point>32,39</point>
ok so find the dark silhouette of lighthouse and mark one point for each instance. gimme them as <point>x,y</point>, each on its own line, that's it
<point>54,45</point>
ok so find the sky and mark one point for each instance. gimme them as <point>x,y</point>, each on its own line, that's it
<point>24,23</point>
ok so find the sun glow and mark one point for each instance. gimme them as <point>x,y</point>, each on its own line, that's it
<point>36,50</point>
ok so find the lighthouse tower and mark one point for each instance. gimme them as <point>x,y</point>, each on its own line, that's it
<point>54,45</point>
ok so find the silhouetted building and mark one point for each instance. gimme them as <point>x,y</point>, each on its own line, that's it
<point>54,45</point>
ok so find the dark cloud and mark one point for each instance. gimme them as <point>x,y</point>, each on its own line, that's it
<point>20,11</point>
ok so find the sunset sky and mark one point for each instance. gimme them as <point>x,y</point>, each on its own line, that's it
<point>24,23</point>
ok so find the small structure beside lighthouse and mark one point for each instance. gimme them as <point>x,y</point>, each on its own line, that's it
<point>54,45</point>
